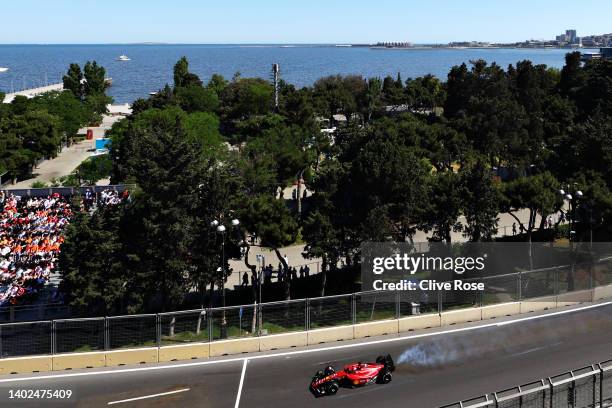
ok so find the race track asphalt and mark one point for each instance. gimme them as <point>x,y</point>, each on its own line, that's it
<point>432,370</point>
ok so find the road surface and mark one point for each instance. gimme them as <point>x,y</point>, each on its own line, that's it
<point>434,367</point>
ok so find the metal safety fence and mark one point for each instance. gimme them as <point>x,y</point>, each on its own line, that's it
<point>588,387</point>
<point>555,286</point>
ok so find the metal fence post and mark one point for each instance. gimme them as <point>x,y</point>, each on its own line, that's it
<point>398,306</point>
<point>53,337</point>
<point>209,323</point>
<point>307,314</point>
<point>594,388</point>
<point>157,329</point>
<point>601,375</point>
<point>556,287</point>
<point>439,301</point>
<point>552,394</point>
<point>106,334</point>
<point>519,283</point>
<point>354,308</point>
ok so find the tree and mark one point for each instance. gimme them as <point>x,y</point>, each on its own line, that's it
<point>72,114</point>
<point>93,277</point>
<point>182,77</point>
<point>95,79</point>
<point>480,204</point>
<point>273,224</point>
<point>371,98</point>
<point>73,81</point>
<point>197,99</point>
<point>539,194</point>
<point>246,97</point>
<point>444,205</point>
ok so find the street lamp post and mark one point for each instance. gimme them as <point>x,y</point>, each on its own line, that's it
<point>221,229</point>
<point>572,200</point>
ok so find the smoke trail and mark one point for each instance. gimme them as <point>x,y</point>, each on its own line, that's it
<point>455,348</point>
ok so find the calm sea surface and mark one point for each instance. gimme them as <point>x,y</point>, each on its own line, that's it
<point>150,67</point>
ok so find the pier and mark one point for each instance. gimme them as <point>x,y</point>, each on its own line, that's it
<point>30,93</point>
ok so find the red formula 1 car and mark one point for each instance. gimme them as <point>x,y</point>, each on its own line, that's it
<point>328,381</point>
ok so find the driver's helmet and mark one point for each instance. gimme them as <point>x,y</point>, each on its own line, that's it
<point>329,370</point>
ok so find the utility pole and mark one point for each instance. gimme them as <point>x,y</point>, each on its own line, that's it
<point>276,75</point>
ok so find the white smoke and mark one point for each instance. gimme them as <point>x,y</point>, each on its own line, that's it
<point>435,353</point>
<point>452,349</point>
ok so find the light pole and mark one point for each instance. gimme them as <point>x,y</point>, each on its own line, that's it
<point>572,200</point>
<point>221,229</point>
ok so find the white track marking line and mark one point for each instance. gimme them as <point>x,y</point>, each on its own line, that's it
<point>162,394</point>
<point>306,351</point>
<point>244,365</point>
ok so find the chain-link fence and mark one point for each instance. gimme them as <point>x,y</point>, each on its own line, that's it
<point>79,335</point>
<point>556,286</point>
<point>588,387</point>
<point>330,311</point>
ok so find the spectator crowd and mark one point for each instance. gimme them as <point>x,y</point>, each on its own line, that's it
<point>31,235</point>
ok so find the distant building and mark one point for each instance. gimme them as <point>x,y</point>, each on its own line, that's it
<point>604,53</point>
<point>571,36</point>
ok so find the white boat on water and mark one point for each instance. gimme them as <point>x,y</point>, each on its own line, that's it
<point>3,69</point>
<point>123,58</point>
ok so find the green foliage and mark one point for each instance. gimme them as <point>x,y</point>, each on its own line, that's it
<point>412,155</point>
<point>246,97</point>
<point>270,219</point>
<point>70,111</point>
<point>197,99</point>
<point>95,79</point>
<point>182,77</point>
<point>38,184</point>
<point>480,203</point>
<point>93,277</point>
<point>73,81</point>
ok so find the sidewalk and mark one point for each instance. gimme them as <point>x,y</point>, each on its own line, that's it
<point>69,158</point>
<point>294,253</point>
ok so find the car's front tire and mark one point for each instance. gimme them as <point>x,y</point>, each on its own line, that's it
<point>385,378</point>
<point>332,388</point>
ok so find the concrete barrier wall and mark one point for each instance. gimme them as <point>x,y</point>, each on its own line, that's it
<point>283,341</point>
<point>602,292</point>
<point>574,298</point>
<point>79,360</point>
<point>20,365</point>
<point>371,329</point>
<point>418,322</point>
<point>538,304</point>
<point>236,346</point>
<point>326,335</point>
<point>184,352</point>
<point>461,316</point>
<point>501,310</point>
<point>132,356</point>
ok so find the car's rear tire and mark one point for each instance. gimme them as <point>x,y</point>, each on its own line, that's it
<point>332,388</point>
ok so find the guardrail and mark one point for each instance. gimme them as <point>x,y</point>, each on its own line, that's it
<point>550,288</point>
<point>588,387</point>
<point>200,333</point>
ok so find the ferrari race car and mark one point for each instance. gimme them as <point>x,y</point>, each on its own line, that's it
<point>328,381</point>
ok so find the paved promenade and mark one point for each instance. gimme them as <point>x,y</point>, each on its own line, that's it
<point>69,159</point>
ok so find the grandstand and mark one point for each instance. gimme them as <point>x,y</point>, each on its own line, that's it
<point>32,223</point>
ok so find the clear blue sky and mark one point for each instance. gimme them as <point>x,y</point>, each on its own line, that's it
<point>296,21</point>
